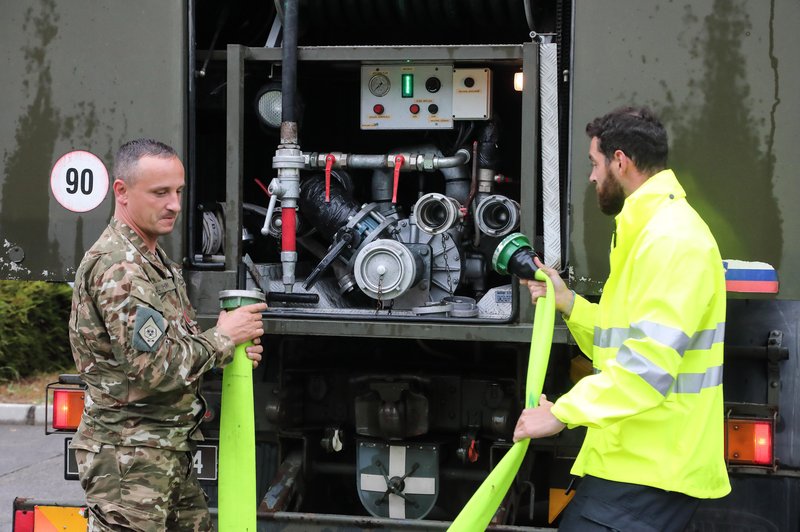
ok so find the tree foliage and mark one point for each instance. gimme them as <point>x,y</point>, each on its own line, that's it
<point>34,320</point>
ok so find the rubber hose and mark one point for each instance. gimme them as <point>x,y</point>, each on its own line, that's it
<point>480,509</point>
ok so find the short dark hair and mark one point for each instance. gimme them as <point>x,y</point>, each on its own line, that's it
<point>128,156</point>
<point>636,131</point>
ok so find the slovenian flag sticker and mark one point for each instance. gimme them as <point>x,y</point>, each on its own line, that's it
<point>753,277</point>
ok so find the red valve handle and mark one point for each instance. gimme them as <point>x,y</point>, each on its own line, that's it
<point>329,160</point>
<point>398,162</point>
<point>472,452</point>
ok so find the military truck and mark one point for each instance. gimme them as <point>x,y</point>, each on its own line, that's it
<point>360,161</point>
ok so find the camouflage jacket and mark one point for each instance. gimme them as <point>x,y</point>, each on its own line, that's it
<point>137,347</point>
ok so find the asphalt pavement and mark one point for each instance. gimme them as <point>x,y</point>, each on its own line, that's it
<point>32,466</point>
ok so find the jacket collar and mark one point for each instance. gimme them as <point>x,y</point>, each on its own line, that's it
<point>640,206</point>
<point>158,259</point>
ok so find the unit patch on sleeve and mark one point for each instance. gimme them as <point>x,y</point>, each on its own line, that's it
<point>148,329</point>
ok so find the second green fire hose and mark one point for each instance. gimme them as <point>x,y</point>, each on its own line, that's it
<point>479,510</point>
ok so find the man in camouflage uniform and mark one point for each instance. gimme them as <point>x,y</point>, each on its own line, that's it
<point>142,355</point>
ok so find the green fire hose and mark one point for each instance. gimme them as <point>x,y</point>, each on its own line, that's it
<point>484,503</point>
<point>237,437</point>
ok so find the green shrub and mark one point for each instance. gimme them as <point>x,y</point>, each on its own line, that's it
<point>34,319</point>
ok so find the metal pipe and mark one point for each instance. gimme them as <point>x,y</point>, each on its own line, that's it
<point>367,161</point>
<point>313,521</point>
<point>457,183</point>
<point>460,158</point>
<point>288,229</point>
<point>426,162</point>
<point>382,187</point>
<point>288,158</point>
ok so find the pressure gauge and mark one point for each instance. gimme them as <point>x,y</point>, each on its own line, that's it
<point>379,85</point>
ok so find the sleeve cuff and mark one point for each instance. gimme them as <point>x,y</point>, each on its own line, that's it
<point>562,413</point>
<point>223,346</point>
<point>580,309</point>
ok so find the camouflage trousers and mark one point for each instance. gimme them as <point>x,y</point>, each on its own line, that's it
<point>142,489</point>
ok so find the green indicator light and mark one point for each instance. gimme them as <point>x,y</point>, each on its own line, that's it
<point>407,85</point>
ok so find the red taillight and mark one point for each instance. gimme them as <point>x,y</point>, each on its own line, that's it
<point>23,521</point>
<point>748,441</point>
<point>67,408</point>
<point>762,435</point>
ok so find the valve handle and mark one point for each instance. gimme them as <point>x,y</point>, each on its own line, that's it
<point>333,251</point>
<point>329,160</point>
<point>398,162</point>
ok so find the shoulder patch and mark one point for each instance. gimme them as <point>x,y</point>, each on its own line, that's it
<point>149,329</point>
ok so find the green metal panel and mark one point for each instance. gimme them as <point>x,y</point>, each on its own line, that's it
<point>723,76</point>
<point>79,75</point>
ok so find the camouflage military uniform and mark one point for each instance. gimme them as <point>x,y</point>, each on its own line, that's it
<point>141,354</point>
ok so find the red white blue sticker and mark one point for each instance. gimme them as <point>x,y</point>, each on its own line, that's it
<point>750,277</point>
<point>79,181</point>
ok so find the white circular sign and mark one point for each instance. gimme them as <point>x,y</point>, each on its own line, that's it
<point>79,181</point>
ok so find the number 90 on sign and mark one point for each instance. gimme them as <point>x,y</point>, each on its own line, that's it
<point>79,181</point>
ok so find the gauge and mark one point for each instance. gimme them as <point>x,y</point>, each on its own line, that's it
<point>379,85</point>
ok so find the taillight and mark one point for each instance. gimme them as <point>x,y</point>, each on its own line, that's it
<point>748,442</point>
<point>23,521</point>
<point>67,408</point>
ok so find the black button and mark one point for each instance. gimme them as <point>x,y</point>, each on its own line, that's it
<point>433,108</point>
<point>469,82</point>
<point>433,84</point>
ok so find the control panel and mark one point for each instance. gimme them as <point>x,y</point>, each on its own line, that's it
<point>472,94</point>
<point>407,96</point>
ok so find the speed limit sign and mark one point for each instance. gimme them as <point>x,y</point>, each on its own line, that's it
<point>79,181</point>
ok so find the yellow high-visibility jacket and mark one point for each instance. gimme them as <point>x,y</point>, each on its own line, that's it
<point>654,408</point>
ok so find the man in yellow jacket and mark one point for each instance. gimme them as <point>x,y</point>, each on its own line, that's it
<point>653,407</point>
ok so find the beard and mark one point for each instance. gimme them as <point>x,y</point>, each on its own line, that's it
<point>610,196</point>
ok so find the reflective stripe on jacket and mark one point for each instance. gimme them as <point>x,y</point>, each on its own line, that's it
<point>654,407</point>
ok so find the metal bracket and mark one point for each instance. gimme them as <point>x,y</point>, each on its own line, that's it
<point>775,354</point>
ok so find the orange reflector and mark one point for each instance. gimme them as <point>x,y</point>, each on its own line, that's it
<point>558,501</point>
<point>59,519</point>
<point>748,441</point>
<point>67,408</point>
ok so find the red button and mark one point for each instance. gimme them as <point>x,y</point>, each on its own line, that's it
<point>414,108</point>
<point>378,109</point>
